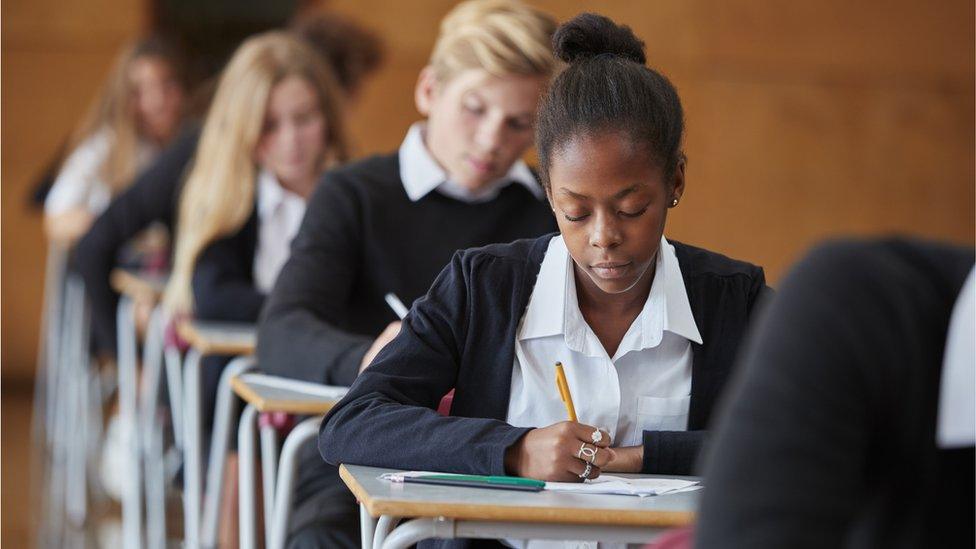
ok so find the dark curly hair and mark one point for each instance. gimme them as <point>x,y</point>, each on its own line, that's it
<point>607,87</point>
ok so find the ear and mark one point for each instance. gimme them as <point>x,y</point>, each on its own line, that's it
<point>425,90</point>
<point>678,187</point>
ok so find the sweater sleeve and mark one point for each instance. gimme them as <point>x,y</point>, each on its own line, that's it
<point>398,395</point>
<point>298,334</point>
<point>223,285</point>
<point>152,197</point>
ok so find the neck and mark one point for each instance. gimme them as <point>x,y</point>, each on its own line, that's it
<point>302,187</point>
<point>594,302</point>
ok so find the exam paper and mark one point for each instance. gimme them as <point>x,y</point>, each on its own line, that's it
<point>643,487</point>
<point>606,484</point>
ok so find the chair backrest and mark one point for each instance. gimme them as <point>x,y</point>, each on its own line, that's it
<point>444,408</point>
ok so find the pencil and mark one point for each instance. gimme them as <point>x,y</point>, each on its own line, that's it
<point>564,393</point>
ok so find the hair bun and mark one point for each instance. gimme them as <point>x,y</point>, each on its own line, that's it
<point>588,35</point>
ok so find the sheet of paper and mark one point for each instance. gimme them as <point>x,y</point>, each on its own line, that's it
<point>609,484</point>
<point>606,484</point>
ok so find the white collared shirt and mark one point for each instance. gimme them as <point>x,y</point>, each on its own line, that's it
<point>80,183</point>
<point>645,386</point>
<point>421,174</point>
<point>956,424</point>
<point>280,213</point>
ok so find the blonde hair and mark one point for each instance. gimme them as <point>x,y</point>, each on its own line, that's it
<point>502,37</point>
<point>113,110</point>
<point>218,196</point>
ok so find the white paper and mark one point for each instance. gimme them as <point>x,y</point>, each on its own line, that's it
<point>608,484</point>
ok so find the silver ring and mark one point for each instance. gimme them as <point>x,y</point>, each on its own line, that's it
<point>586,471</point>
<point>597,436</point>
<point>590,453</point>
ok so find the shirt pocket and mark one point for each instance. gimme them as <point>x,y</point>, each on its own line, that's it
<point>662,413</point>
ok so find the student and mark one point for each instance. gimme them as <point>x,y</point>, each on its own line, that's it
<point>274,125</point>
<point>389,223</point>
<point>646,327</point>
<point>136,115</point>
<point>830,434</point>
<point>351,51</point>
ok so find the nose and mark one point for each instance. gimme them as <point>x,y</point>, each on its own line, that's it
<point>490,135</point>
<point>605,231</point>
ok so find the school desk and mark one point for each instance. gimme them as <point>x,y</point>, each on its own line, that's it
<point>448,512</point>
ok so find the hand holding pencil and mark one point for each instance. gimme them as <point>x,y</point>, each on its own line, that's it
<point>567,451</point>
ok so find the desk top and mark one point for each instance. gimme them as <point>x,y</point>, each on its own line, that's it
<point>278,394</point>
<point>219,338</point>
<point>139,286</point>
<point>382,497</point>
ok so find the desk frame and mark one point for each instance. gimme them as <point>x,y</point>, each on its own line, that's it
<point>380,530</point>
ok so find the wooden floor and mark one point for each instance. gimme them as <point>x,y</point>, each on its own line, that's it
<point>21,502</point>
<point>15,445</point>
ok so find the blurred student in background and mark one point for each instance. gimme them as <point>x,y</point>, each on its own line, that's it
<point>136,115</point>
<point>388,224</point>
<point>351,51</point>
<point>275,124</point>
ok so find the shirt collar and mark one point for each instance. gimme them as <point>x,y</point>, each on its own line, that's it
<point>554,309</point>
<point>421,174</point>
<point>271,194</point>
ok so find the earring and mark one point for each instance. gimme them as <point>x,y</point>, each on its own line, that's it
<point>674,202</point>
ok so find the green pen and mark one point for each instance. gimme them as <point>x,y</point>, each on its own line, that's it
<point>479,481</point>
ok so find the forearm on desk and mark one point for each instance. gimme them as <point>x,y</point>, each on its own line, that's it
<point>299,346</point>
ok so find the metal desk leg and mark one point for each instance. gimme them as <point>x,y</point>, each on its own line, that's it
<point>269,468</point>
<point>413,531</point>
<point>302,434</point>
<point>246,457</point>
<point>224,415</point>
<point>174,384</point>
<point>155,490</point>
<point>385,525</point>
<point>132,489</point>
<point>152,358</point>
<point>367,528</point>
<point>151,431</point>
<point>76,503</point>
<point>192,450</point>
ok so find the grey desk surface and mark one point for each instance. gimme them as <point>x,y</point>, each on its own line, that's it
<point>277,394</point>
<point>220,337</point>
<point>382,497</point>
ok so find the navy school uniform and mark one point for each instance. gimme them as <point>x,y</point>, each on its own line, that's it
<point>462,336</point>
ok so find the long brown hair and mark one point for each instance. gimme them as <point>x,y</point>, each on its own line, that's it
<point>113,109</point>
<point>218,196</point>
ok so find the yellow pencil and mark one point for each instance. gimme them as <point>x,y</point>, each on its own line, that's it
<point>564,393</point>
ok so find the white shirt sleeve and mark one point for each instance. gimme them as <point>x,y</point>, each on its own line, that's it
<point>79,183</point>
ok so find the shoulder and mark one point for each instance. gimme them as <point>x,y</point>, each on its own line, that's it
<point>382,169</point>
<point>358,181</point>
<point>697,263</point>
<point>517,255</point>
<point>887,266</point>
<point>91,150</point>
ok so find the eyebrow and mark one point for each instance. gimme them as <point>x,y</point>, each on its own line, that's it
<point>629,190</point>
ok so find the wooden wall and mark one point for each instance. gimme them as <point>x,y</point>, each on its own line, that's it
<point>54,56</point>
<point>805,119</point>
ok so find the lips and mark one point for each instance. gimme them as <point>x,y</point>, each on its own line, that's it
<point>481,166</point>
<point>611,269</point>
